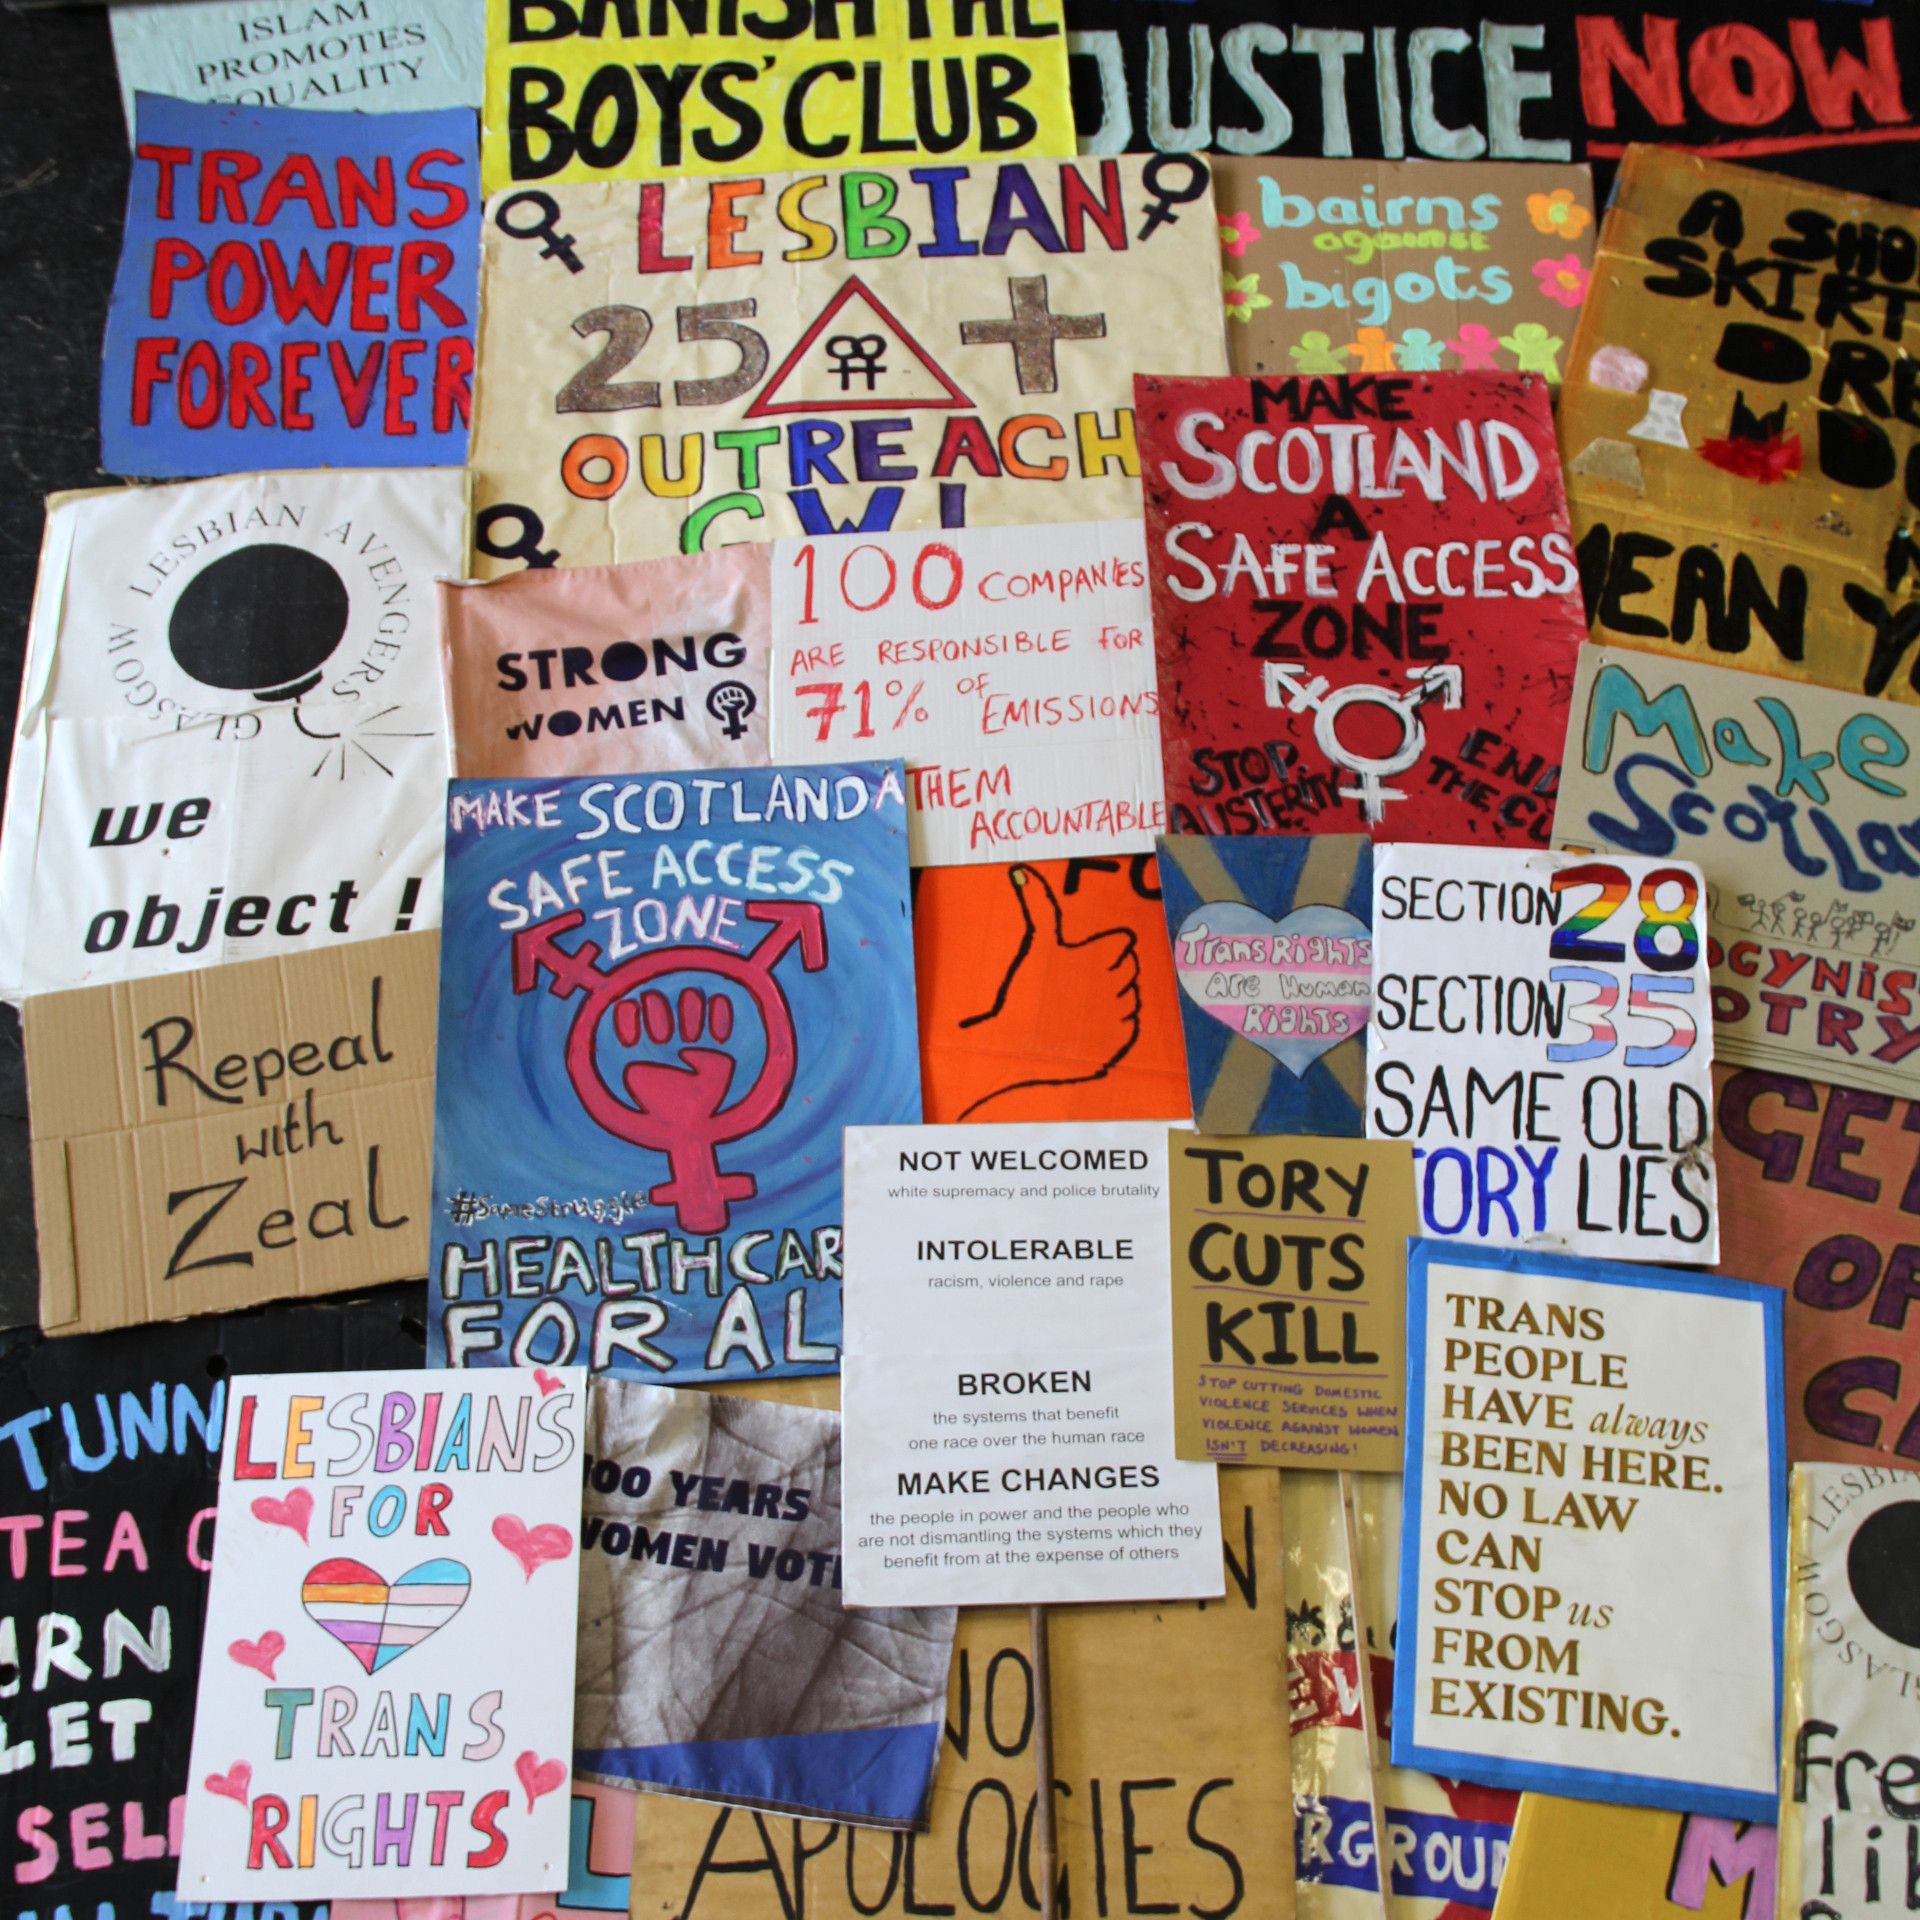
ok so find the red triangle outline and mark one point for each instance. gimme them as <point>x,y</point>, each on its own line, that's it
<point>763,406</point>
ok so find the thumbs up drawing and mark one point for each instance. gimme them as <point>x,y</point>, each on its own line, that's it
<point>1089,988</point>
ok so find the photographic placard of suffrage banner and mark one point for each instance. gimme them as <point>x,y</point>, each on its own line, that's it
<point>685,362</point>
<point>1541,1034</point>
<point>368,1522</point>
<point>231,739</point>
<point>1593,1543</point>
<point>679,987</point>
<point>108,1485</point>
<point>1369,266</point>
<point>1820,1197</point>
<point>1289,1299</point>
<point>1795,800</point>
<point>1818,92</point>
<point>1006,1393</point>
<point>383,56</point>
<point>1363,603</point>
<point>1740,466</point>
<point>1852,1634</point>
<point>653,666</point>
<point>743,90</point>
<point>296,289</point>
<point>717,1658</point>
<point>1012,666</point>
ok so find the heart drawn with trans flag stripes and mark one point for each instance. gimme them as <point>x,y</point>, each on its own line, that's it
<point>378,1620</point>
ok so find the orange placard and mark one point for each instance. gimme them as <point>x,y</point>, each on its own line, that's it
<point>1047,993</point>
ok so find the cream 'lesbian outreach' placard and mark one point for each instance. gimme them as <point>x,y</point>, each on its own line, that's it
<point>1012,666</point>
<point>678,364</point>
<point>1541,1032</point>
<point>231,740</point>
<point>386,1694</point>
<point>1007,1402</point>
<point>1594,1531</point>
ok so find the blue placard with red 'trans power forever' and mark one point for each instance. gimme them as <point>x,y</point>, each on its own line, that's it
<point>296,289</point>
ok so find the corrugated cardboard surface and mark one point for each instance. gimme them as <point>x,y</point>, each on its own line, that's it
<point>136,1158</point>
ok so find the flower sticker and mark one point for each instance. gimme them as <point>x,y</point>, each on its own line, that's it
<point>1238,234</point>
<point>1243,297</point>
<point>1558,212</point>
<point>1562,281</point>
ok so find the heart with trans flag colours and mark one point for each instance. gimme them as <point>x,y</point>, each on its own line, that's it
<point>377,1620</point>
<point>1296,988</point>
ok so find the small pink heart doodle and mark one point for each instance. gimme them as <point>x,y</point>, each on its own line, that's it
<point>532,1547</point>
<point>546,1382</point>
<point>293,1512</point>
<point>234,1784</point>
<point>259,1654</point>
<point>538,1776</point>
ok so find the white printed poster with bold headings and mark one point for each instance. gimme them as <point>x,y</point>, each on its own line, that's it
<point>232,738</point>
<point>1012,666</point>
<point>386,1686</point>
<point>1005,1393</point>
<point>1542,1033</point>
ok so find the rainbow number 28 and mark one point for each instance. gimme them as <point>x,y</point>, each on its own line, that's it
<point>1574,938</point>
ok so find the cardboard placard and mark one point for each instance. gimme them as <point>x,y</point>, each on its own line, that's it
<point>206,1141</point>
<point>1541,1033</point>
<point>1008,1406</point>
<point>1046,993</point>
<point>1793,801</point>
<point>805,354</point>
<point>1734,464</point>
<point>1147,1806</point>
<point>653,666</point>
<point>717,1660</point>
<point>1011,666</point>
<point>1273,952</point>
<point>749,91</point>
<point>1447,1839</point>
<point>1852,1630</point>
<point>1369,266</point>
<point>1363,604</point>
<point>296,289</point>
<point>599,1871</point>
<point>680,987</point>
<point>1576,1479</point>
<point>396,1554</point>
<point>231,740</point>
<point>1289,1300</point>
<point>383,55</point>
<point>1818,1197</point>
<point>110,1477</point>
<point>1817,93</point>
<point>1579,1860</point>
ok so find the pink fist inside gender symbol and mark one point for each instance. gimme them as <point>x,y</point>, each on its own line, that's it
<point>677,1105</point>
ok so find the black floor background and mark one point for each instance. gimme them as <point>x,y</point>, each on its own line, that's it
<point>63,189</point>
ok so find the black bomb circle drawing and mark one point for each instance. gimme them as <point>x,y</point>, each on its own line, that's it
<point>1880,1569</point>
<point>262,619</point>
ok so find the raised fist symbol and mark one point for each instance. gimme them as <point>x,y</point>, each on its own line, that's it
<point>678,1106</point>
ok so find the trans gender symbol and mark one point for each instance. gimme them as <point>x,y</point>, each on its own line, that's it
<point>679,1108</point>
